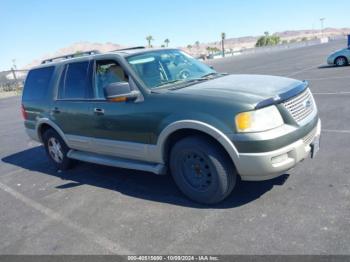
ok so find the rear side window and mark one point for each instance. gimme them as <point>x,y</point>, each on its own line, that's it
<point>76,81</point>
<point>37,83</point>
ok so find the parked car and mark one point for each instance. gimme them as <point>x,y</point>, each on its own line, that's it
<point>162,111</point>
<point>340,57</point>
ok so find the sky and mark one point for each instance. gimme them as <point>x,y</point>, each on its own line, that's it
<point>30,29</point>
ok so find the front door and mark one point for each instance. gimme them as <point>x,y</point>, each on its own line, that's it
<point>119,128</point>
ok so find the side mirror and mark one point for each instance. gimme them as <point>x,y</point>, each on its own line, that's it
<point>120,92</point>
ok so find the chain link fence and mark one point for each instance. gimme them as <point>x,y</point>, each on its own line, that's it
<point>12,81</point>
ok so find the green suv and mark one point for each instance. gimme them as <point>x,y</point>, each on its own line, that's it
<point>162,111</point>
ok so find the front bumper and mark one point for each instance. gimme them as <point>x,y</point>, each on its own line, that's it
<point>267,165</point>
<point>330,60</point>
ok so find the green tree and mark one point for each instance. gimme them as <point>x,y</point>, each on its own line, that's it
<point>215,49</point>
<point>78,53</point>
<point>268,40</point>
<point>167,41</point>
<point>189,47</point>
<point>149,40</point>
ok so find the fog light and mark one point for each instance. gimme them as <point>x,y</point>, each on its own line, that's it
<point>279,159</point>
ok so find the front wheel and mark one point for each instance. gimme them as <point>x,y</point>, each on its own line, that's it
<point>341,61</point>
<point>202,170</point>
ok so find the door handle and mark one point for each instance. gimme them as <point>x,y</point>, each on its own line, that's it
<point>55,110</point>
<point>99,111</point>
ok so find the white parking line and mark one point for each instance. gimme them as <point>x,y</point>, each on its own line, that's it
<point>303,70</point>
<point>100,240</point>
<point>332,93</point>
<point>336,131</point>
<point>205,223</point>
<point>329,78</point>
<point>13,172</point>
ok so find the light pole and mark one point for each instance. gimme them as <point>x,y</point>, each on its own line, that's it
<point>13,69</point>
<point>223,37</point>
<point>322,25</point>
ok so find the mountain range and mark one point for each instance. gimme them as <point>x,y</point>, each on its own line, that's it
<point>233,44</point>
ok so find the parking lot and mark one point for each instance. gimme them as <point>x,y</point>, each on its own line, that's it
<point>101,210</point>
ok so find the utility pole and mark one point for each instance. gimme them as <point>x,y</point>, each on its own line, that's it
<point>322,25</point>
<point>223,37</point>
<point>13,69</point>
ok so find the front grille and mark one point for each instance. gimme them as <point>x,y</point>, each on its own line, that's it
<point>300,106</point>
<point>310,136</point>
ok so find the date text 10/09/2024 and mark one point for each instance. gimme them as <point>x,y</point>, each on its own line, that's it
<point>173,258</point>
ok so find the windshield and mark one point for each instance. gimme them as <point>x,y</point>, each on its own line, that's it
<point>165,67</point>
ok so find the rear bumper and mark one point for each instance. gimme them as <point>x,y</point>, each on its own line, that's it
<point>32,134</point>
<point>267,165</point>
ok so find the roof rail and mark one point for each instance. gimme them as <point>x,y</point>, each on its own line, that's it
<point>78,54</point>
<point>129,48</point>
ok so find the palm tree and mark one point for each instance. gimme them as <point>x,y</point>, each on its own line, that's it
<point>223,37</point>
<point>189,47</point>
<point>197,44</point>
<point>209,49</point>
<point>149,40</point>
<point>167,41</point>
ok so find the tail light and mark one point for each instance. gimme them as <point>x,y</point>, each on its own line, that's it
<point>24,113</point>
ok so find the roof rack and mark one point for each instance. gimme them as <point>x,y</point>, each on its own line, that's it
<point>78,54</point>
<point>129,48</point>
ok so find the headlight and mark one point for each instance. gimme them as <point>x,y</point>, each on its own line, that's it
<point>258,120</point>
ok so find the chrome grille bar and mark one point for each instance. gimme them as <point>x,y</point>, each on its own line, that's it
<point>301,106</point>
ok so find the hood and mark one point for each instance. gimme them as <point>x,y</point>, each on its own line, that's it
<point>252,89</point>
<point>338,51</point>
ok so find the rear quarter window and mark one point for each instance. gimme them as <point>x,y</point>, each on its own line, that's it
<point>37,83</point>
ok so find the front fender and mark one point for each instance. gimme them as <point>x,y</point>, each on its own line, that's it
<point>198,126</point>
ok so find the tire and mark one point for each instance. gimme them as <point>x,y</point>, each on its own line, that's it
<point>202,170</point>
<point>341,61</point>
<point>53,143</point>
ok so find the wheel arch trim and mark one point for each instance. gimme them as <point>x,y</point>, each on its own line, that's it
<point>198,126</point>
<point>47,121</point>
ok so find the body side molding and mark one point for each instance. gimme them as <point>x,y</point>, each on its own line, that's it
<point>155,168</point>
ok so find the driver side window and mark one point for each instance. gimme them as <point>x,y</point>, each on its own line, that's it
<point>108,72</point>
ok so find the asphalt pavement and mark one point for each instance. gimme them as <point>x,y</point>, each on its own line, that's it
<point>94,209</point>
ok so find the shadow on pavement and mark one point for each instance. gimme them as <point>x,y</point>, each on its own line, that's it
<point>133,183</point>
<point>327,67</point>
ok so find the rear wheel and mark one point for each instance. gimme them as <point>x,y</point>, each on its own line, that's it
<point>341,61</point>
<point>202,170</point>
<point>56,149</point>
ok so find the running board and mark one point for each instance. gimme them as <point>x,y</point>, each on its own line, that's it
<point>158,169</point>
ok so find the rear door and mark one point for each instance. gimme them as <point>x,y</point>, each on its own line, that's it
<point>70,110</point>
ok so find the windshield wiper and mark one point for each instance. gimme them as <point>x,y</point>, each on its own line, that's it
<point>170,82</point>
<point>210,74</point>
<point>185,82</point>
<point>189,81</point>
